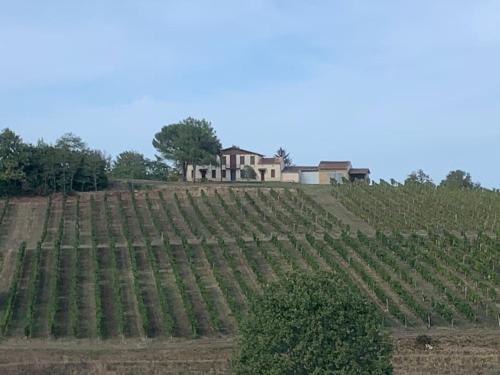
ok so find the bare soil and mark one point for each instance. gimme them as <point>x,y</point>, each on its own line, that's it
<point>453,352</point>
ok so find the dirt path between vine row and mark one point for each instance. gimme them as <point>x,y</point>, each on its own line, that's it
<point>323,196</point>
<point>23,222</point>
<point>453,352</point>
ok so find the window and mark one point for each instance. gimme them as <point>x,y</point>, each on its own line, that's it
<point>273,173</point>
<point>252,160</point>
<point>214,173</point>
<point>242,160</point>
<point>223,173</point>
<point>223,160</point>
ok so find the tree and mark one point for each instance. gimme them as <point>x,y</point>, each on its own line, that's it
<point>285,155</point>
<point>13,157</point>
<point>44,168</point>
<point>248,173</point>
<point>158,170</point>
<point>71,142</point>
<point>312,324</point>
<point>419,177</point>
<point>130,164</point>
<point>458,180</point>
<point>190,141</point>
<point>70,148</point>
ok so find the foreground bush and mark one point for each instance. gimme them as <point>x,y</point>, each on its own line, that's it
<point>312,325</point>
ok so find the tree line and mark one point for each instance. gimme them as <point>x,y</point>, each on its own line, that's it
<point>70,165</point>
<point>456,179</point>
<point>42,168</point>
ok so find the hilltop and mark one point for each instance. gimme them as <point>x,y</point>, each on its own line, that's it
<point>181,261</point>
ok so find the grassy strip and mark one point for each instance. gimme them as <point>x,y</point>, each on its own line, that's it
<point>200,215</point>
<point>74,303</point>
<point>233,216</point>
<point>179,281</point>
<point>261,213</point>
<point>168,321</point>
<point>186,217</point>
<point>230,259</point>
<point>5,208</point>
<point>223,283</point>
<point>56,276</point>
<point>34,286</point>
<point>117,288</point>
<point>422,312</point>
<point>168,215</point>
<point>135,271</point>
<point>309,258</point>
<point>290,258</point>
<point>254,266</point>
<point>208,301</point>
<point>273,262</point>
<point>100,327</point>
<point>392,308</point>
<point>11,295</point>
<point>404,273</point>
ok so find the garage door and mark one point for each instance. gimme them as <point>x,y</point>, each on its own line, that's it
<point>309,177</point>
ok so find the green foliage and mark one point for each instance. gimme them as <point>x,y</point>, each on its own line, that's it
<point>34,286</point>
<point>312,324</point>
<point>168,321</point>
<point>287,160</point>
<point>99,314</point>
<point>134,165</point>
<point>130,164</point>
<point>56,276</point>
<point>117,288</point>
<point>13,157</point>
<point>190,141</point>
<point>42,168</point>
<point>12,294</point>
<point>458,180</point>
<point>139,293</point>
<point>248,173</point>
<point>417,177</point>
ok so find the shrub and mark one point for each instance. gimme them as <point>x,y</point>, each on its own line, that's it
<point>312,324</point>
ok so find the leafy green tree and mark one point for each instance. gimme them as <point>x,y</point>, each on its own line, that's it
<point>13,157</point>
<point>248,173</point>
<point>285,155</point>
<point>158,170</point>
<point>190,141</point>
<point>458,179</point>
<point>69,148</point>
<point>43,168</point>
<point>130,164</point>
<point>312,324</point>
<point>71,142</point>
<point>419,177</point>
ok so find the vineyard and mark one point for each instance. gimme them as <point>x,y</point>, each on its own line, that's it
<point>179,262</point>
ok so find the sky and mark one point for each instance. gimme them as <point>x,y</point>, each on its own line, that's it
<point>390,85</point>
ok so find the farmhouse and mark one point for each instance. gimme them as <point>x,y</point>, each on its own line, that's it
<point>233,164</point>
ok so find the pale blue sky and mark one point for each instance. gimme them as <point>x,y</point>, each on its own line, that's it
<point>390,85</point>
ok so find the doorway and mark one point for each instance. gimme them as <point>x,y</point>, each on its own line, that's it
<point>262,174</point>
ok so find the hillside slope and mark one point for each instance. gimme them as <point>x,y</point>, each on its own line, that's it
<point>183,262</point>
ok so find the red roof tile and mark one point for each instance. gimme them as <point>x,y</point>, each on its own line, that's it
<point>335,165</point>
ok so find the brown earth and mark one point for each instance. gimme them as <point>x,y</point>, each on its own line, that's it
<point>453,352</point>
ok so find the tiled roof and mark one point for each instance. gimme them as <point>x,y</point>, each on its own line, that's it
<point>359,171</point>
<point>270,161</point>
<point>234,150</point>
<point>298,169</point>
<point>335,165</point>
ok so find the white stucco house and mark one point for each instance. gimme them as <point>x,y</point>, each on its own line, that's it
<point>232,163</point>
